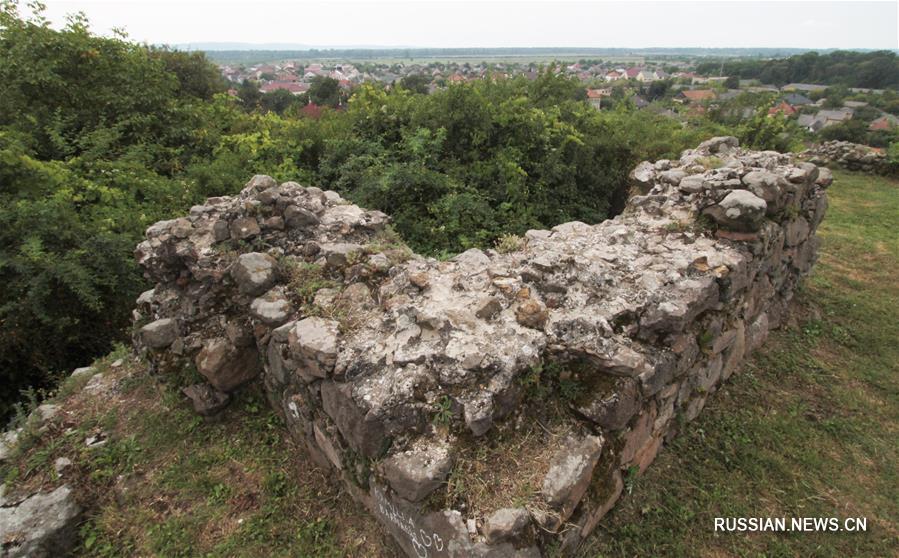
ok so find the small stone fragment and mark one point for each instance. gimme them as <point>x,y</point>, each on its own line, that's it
<point>61,464</point>
<point>244,228</point>
<point>506,524</point>
<point>313,344</point>
<point>160,334</point>
<point>570,471</point>
<point>488,307</point>
<point>414,474</point>
<point>254,273</point>
<point>207,400</point>
<point>531,313</point>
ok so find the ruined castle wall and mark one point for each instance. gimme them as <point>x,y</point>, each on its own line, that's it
<point>404,374</point>
<point>849,156</point>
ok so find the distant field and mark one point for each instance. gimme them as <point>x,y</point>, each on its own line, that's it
<point>567,58</point>
<point>218,53</point>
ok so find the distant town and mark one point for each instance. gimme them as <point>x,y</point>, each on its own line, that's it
<point>674,88</point>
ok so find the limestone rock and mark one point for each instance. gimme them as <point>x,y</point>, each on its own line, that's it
<point>364,434</point>
<point>244,228</point>
<point>740,210</point>
<point>84,371</point>
<point>340,254</point>
<point>416,473</point>
<point>225,366</point>
<point>719,144</point>
<point>272,309</point>
<point>8,442</point>
<point>570,471</point>
<point>506,524</point>
<point>160,334</point>
<point>613,409</point>
<point>298,217</point>
<point>766,185</point>
<point>254,273</point>
<point>313,344</point>
<point>260,183</point>
<point>207,400</point>
<point>44,525</point>
<point>692,184</point>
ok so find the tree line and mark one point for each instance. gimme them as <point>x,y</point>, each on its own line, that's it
<point>871,70</point>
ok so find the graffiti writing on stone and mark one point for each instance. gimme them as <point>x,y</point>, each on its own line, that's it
<point>423,542</point>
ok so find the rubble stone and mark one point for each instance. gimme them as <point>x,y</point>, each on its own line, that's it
<point>44,525</point>
<point>384,369</point>
<point>254,273</point>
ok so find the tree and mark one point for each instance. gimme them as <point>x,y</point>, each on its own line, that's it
<point>658,89</point>
<point>732,82</point>
<point>197,77</point>
<point>324,91</point>
<point>852,130</point>
<point>279,101</point>
<point>417,83</point>
<point>249,94</point>
<point>86,164</point>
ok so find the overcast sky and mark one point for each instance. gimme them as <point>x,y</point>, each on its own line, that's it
<point>497,23</point>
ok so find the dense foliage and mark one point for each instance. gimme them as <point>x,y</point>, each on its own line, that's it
<point>877,70</point>
<point>93,134</point>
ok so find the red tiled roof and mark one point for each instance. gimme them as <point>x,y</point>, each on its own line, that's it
<point>882,123</point>
<point>595,93</point>
<point>783,107</point>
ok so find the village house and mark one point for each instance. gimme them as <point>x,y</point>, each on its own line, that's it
<point>854,104</point>
<point>806,87</point>
<point>595,96</point>
<point>824,118</point>
<point>784,108</point>
<point>831,117</point>
<point>647,76</point>
<point>796,99</point>
<point>886,122</point>
<point>293,87</point>
<point>694,96</point>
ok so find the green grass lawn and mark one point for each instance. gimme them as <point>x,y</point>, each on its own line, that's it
<point>808,428</point>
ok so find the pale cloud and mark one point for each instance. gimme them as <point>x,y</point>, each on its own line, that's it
<point>498,23</point>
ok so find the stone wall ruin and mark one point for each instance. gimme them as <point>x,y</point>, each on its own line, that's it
<point>849,156</point>
<point>491,404</point>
